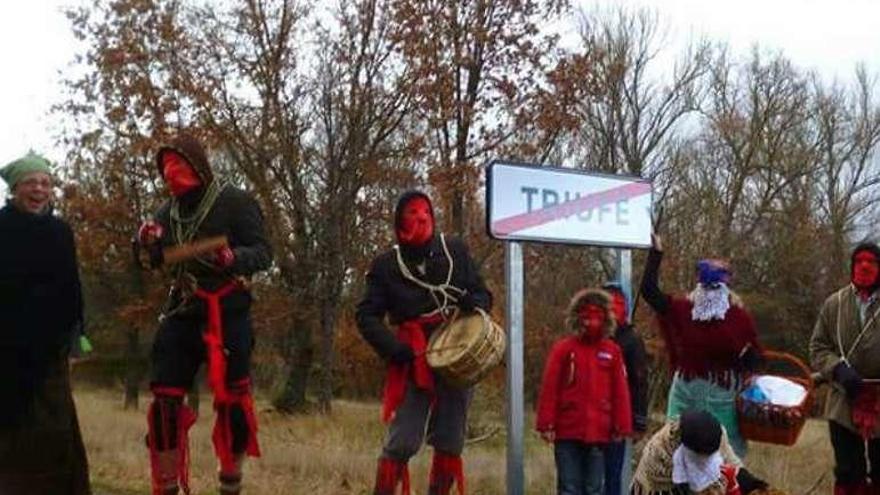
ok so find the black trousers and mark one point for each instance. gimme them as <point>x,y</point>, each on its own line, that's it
<point>178,349</point>
<point>850,465</point>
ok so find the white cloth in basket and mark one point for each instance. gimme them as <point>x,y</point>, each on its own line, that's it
<point>781,391</point>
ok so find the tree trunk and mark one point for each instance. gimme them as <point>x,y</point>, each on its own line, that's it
<point>839,253</point>
<point>458,225</point>
<point>299,364</point>
<point>328,324</point>
<point>133,372</point>
<point>132,357</point>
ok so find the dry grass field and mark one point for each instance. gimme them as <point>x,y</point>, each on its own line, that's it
<point>336,454</point>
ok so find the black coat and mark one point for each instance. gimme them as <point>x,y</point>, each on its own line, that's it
<point>636,373</point>
<point>40,301</point>
<point>236,215</point>
<point>389,293</point>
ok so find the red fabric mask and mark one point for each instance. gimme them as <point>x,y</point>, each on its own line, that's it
<point>179,175</point>
<point>416,223</point>
<point>618,307</point>
<point>592,321</point>
<point>865,270</point>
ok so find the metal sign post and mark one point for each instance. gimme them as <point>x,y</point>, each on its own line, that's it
<point>513,274</point>
<point>623,274</point>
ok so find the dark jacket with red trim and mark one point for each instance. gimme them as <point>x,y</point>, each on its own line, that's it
<point>584,392</point>
<point>707,349</point>
<point>235,214</point>
<point>389,294</point>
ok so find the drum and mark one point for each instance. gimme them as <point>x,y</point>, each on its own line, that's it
<point>467,348</point>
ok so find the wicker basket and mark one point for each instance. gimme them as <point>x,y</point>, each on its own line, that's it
<point>770,423</point>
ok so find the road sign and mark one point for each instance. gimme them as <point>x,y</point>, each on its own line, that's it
<point>549,204</point>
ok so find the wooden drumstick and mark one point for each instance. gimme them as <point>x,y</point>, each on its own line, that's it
<point>183,252</point>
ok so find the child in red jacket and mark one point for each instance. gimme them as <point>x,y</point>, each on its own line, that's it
<point>584,400</point>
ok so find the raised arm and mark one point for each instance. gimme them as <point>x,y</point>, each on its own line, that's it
<point>650,289</point>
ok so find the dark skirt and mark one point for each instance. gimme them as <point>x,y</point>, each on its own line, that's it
<point>44,453</point>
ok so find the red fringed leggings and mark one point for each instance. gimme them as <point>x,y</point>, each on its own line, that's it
<point>225,340</point>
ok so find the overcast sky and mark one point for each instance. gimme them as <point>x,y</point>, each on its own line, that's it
<point>829,36</point>
<point>825,35</point>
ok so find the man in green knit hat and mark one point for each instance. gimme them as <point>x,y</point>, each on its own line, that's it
<point>41,449</point>
<point>33,174</point>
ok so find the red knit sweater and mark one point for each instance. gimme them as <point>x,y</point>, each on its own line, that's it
<point>705,349</point>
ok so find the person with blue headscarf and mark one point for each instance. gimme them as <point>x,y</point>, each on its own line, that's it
<point>711,340</point>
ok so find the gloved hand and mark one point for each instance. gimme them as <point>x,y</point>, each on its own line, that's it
<point>148,236</point>
<point>748,482</point>
<point>750,359</point>
<point>157,256</point>
<point>848,378</point>
<point>656,243</point>
<point>402,355</point>
<point>223,257</point>
<point>640,425</point>
<point>150,232</point>
<point>467,302</point>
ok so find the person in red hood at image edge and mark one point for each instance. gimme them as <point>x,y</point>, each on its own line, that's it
<point>619,454</point>
<point>417,284</point>
<point>845,347</point>
<point>206,317</point>
<point>584,403</point>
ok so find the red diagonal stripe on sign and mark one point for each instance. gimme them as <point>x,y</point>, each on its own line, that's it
<point>523,221</point>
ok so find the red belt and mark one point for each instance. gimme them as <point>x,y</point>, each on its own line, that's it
<point>411,333</point>
<point>213,338</point>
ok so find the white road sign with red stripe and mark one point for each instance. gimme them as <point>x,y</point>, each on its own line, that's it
<point>548,204</point>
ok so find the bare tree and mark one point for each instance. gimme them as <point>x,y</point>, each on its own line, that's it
<point>848,127</point>
<point>474,64</point>
<point>637,112</point>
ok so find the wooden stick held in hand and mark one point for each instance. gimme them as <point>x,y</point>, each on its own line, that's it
<point>183,252</point>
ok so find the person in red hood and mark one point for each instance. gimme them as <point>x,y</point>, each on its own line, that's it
<point>418,284</point>
<point>844,347</point>
<point>584,402</point>
<point>206,318</point>
<point>619,454</point>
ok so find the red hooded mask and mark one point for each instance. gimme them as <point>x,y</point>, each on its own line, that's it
<point>618,307</point>
<point>414,223</point>
<point>592,321</point>
<point>179,175</point>
<point>865,268</point>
